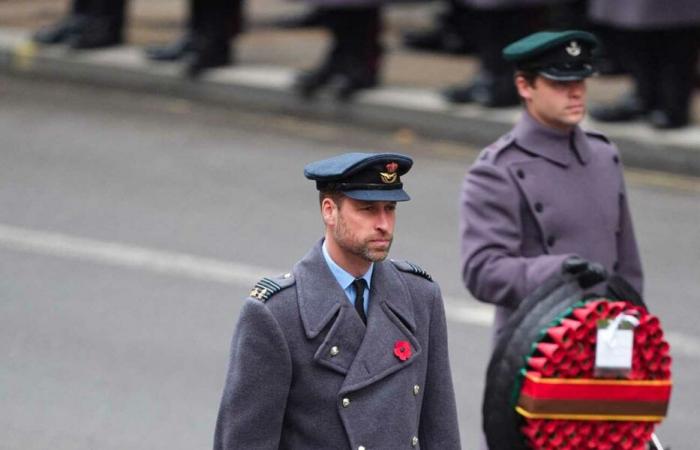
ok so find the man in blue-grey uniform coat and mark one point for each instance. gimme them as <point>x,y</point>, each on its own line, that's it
<point>348,350</point>
<point>548,190</point>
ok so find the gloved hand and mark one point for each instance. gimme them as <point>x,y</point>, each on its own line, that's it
<point>587,273</point>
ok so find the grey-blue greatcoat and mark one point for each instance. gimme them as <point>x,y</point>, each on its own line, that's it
<point>645,14</point>
<point>286,387</point>
<point>530,201</point>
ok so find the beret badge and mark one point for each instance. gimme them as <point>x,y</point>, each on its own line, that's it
<point>390,176</point>
<point>573,49</point>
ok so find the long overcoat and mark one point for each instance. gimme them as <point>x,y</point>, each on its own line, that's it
<point>645,14</point>
<point>536,197</point>
<point>306,374</point>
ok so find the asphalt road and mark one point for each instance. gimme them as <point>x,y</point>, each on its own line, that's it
<point>132,225</point>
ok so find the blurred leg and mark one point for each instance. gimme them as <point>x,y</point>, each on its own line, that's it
<point>105,25</point>
<point>353,58</point>
<point>215,23</point>
<point>65,27</point>
<point>677,55</point>
<point>495,29</point>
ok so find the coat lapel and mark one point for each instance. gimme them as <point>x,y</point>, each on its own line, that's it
<point>390,319</point>
<point>321,300</point>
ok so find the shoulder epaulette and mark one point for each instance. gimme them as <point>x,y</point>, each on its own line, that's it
<point>267,287</point>
<point>409,267</point>
<point>493,150</point>
<point>598,135</point>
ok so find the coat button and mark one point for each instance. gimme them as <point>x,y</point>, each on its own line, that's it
<point>539,207</point>
<point>334,350</point>
<point>551,240</point>
<point>520,174</point>
<point>616,159</point>
<point>361,447</point>
<point>414,441</point>
<point>416,389</point>
<point>346,402</point>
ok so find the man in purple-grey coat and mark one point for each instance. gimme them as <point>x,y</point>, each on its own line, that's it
<point>348,351</point>
<point>547,190</point>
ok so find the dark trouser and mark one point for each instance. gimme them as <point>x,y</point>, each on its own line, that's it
<point>495,29</point>
<point>80,7</point>
<point>216,20</point>
<point>356,36</point>
<point>112,12</point>
<point>663,64</point>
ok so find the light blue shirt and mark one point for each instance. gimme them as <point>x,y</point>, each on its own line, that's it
<point>345,279</point>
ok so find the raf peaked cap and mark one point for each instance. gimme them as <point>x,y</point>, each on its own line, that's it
<point>362,176</point>
<point>560,55</point>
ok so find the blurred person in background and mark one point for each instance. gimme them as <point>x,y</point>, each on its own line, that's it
<point>661,42</point>
<point>452,31</point>
<point>206,42</point>
<point>89,24</point>
<point>352,61</point>
<point>495,24</point>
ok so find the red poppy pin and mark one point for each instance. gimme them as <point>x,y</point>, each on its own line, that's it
<point>391,167</point>
<point>402,350</point>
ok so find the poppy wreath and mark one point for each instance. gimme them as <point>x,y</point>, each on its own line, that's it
<point>565,406</point>
<point>542,391</point>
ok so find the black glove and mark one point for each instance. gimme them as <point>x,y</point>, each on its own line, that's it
<point>586,273</point>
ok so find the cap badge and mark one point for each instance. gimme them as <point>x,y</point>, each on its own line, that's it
<point>390,176</point>
<point>573,48</point>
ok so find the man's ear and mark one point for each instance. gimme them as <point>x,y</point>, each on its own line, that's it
<point>524,87</point>
<point>329,211</point>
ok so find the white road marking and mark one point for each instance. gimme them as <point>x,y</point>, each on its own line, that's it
<point>208,269</point>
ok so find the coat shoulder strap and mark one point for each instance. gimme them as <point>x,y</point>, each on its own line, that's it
<point>267,287</point>
<point>409,267</point>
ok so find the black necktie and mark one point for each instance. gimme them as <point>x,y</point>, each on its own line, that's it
<point>360,285</point>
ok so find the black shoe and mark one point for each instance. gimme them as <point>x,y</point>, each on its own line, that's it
<point>97,33</point>
<point>60,31</point>
<point>346,86</point>
<point>482,93</point>
<point>662,120</point>
<point>206,56</point>
<point>171,52</point>
<point>309,82</point>
<point>628,108</point>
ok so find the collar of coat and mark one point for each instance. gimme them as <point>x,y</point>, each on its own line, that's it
<point>554,145</point>
<point>366,352</point>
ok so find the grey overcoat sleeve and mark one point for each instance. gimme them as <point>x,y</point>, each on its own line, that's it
<point>439,428</point>
<point>493,268</point>
<point>257,383</point>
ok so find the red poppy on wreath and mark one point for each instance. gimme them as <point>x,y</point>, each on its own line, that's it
<point>402,350</point>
